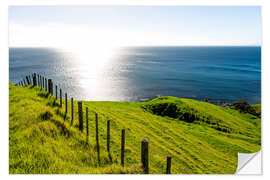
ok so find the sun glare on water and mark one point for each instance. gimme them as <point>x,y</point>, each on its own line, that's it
<point>88,53</point>
<point>91,64</point>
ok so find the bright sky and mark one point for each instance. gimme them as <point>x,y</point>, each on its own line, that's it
<point>68,26</point>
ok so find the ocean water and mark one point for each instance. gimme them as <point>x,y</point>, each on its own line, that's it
<point>141,73</point>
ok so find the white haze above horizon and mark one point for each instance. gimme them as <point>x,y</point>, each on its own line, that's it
<point>109,26</point>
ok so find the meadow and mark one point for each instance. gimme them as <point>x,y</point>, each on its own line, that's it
<point>199,136</point>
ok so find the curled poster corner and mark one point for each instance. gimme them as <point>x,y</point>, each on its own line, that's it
<point>249,164</point>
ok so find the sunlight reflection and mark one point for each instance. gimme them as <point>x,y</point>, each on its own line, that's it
<point>91,64</point>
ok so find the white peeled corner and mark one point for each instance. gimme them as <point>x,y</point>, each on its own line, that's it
<point>249,164</point>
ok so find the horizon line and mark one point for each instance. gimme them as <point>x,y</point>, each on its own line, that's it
<point>146,46</point>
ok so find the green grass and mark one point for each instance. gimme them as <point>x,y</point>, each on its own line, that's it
<point>200,137</point>
<point>257,108</point>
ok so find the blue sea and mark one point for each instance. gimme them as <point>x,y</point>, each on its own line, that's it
<point>142,73</point>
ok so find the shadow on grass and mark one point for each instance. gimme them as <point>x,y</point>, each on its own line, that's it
<point>43,94</point>
<point>61,113</point>
<point>110,157</point>
<point>53,103</point>
<point>61,126</point>
<point>47,116</point>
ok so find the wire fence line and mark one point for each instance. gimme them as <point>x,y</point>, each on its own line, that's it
<point>42,82</point>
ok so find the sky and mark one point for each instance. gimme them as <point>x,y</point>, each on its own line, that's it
<point>92,26</point>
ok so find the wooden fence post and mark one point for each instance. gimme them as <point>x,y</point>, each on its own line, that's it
<point>52,87</point>
<point>97,142</point>
<point>123,146</point>
<point>38,81</point>
<point>40,84</point>
<point>87,125</point>
<point>56,91</point>
<point>108,136</point>
<point>43,83</point>
<point>71,112</point>
<point>66,104</point>
<point>46,85</point>
<point>80,116</point>
<point>50,84</point>
<point>168,168</point>
<point>24,82</point>
<point>27,80</point>
<point>144,156</point>
<point>60,97</point>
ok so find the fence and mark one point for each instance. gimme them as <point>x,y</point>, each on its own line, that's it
<point>40,81</point>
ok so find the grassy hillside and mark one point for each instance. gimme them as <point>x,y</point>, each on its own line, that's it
<point>257,108</point>
<point>200,137</point>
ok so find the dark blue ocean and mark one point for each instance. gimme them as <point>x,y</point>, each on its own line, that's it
<point>141,73</point>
